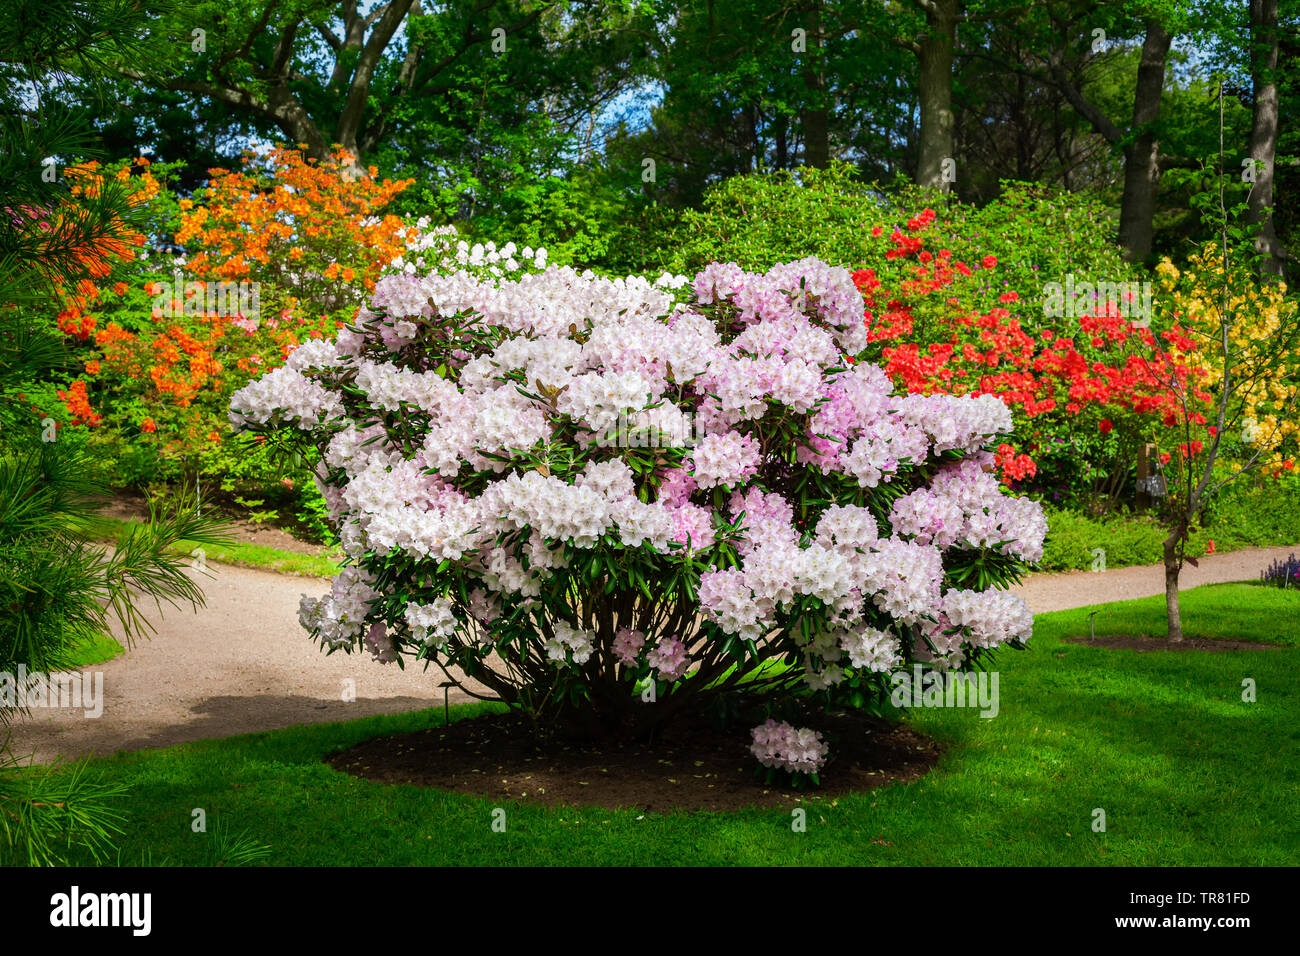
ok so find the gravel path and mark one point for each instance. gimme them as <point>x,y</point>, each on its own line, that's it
<point>240,664</point>
<point>243,664</point>
<point>1059,592</point>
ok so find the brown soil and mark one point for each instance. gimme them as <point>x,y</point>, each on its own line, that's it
<point>695,768</point>
<point>1125,642</point>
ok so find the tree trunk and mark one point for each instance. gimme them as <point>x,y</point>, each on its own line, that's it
<point>934,90</point>
<point>1172,568</point>
<point>350,118</point>
<point>1141,171</point>
<point>1023,127</point>
<point>816,116</point>
<point>1263,132</point>
<point>288,114</point>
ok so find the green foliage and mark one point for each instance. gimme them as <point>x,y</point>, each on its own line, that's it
<point>56,586</point>
<point>48,812</point>
<point>743,91</point>
<point>585,220</point>
<point>760,219</point>
<point>1127,539</point>
<point>59,590</point>
<point>1038,234</point>
<point>227,848</point>
<point>59,594</point>
<point>1263,515</point>
<point>41,44</point>
<point>312,515</point>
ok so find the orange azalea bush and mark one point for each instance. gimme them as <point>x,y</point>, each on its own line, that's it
<point>118,245</point>
<point>78,248</point>
<point>309,231</point>
<point>67,253</point>
<point>167,349</point>
<point>169,385</point>
<point>79,405</point>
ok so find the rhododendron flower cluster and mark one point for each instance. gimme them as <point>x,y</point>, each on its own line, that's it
<point>780,745</point>
<point>441,249</point>
<point>816,533</point>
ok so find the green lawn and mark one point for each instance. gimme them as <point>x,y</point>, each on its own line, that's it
<point>237,553</point>
<point>96,650</point>
<point>1186,772</point>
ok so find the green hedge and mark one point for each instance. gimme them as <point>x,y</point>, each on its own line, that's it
<point>1245,518</point>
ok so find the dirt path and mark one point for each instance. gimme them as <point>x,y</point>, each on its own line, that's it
<point>243,663</point>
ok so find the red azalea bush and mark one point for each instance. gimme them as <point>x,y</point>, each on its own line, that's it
<point>1083,390</point>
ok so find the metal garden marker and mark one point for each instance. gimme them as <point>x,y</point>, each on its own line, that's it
<point>446,709</point>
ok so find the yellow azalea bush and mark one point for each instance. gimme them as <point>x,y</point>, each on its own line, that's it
<point>1258,314</point>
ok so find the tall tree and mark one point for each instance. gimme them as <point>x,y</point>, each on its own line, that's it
<point>1264,132</point>
<point>934,47</point>
<point>1011,125</point>
<point>816,111</point>
<point>770,84</point>
<point>1138,140</point>
<point>338,71</point>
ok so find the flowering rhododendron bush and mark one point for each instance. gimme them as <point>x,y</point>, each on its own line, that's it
<point>616,505</point>
<point>442,249</point>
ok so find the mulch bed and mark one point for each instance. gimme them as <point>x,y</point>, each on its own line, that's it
<point>1126,642</point>
<point>691,768</point>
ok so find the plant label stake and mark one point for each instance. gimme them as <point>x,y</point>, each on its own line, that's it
<point>446,708</point>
